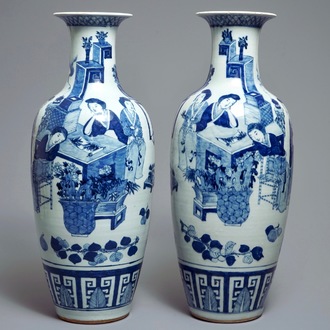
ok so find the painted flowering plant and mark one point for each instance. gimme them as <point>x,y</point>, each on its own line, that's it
<point>101,36</point>
<point>108,187</point>
<point>70,187</point>
<point>105,186</point>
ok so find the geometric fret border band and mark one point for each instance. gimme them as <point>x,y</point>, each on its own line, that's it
<point>226,292</point>
<point>92,290</point>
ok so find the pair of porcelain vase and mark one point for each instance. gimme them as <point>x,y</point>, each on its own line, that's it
<point>93,174</point>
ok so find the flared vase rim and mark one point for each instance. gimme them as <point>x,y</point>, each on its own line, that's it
<point>255,19</point>
<point>91,13</point>
<point>236,12</point>
<point>93,19</point>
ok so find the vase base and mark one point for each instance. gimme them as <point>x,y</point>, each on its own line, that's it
<point>225,318</point>
<point>92,321</point>
<point>93,317</point>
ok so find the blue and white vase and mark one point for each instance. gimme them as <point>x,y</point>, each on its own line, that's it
<point>92,177</point>
<point>231,170</point>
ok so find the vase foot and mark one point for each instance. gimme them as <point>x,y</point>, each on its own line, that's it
<point>93,316</point>
<point>92,321</point>
<point>225,318</point>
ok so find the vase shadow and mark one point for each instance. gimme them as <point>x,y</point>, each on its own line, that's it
<point>27,287</point>
<point>160,277</point>
<point>163,282</point>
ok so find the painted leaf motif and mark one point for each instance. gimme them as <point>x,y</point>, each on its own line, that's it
<point>111,245</point>
<point>125,241</point>
<point>230,260</point>
<point>75,258</point>
<point>210,301</point>
<point>191,231</point>
<point>76,247</point>
<point>55,244</point>
<point>206,255</point>
<point>244,248</point>
<point>188,296</point>
<point>243,301</point>
<point>215,244</point>
<point>43,243</point>
<point>257,253</point>
<point>229,247</point>
<point>132,250</point>
<point>115,257</point>
<point>187,238</point>
<point>269,229</point>
<point>97,299</point>
<point>199,247</point>
<point>100,258</point>
<point>94,247</point>
<point>248,259</point>
<point>90,256</point>
<point>127,295</point>
<point>63,243</point>
<point>143,220</point>
<point>62,254</point>
<point>206,238</point>
<point>65,297</point>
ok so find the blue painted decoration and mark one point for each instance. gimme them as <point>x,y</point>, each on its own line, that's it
<point>224,166</point>
<point>97,290</point>
<point>231,174</point>
<point>221,292</point>
<point>93,170</point>
<point>92,179</point>
<point>214,250</point>
<point>93,254</point>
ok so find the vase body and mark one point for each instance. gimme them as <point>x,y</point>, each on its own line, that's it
<point>231,169</point>
<point>92,178</point>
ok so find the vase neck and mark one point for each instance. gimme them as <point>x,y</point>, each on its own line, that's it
<point>234,50</point>
<point>93,47</point>
<point>235,42</point>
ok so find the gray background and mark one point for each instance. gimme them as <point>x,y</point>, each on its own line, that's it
<point>163,55</point>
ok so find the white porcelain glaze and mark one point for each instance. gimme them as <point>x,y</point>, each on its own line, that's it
<point>92,175</point>
<point>231,166</point>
